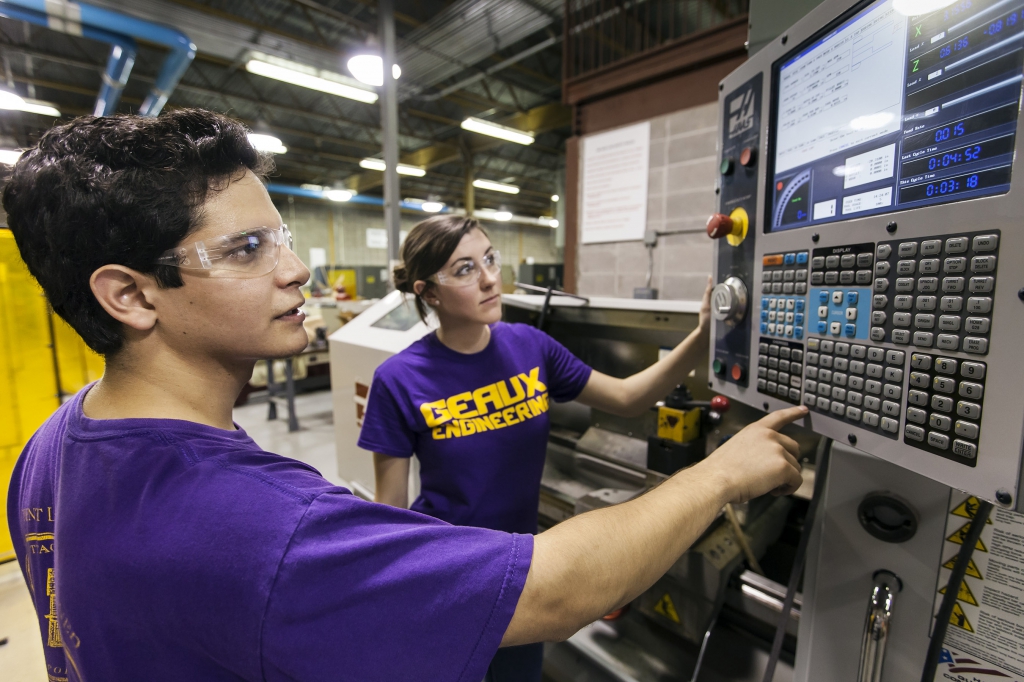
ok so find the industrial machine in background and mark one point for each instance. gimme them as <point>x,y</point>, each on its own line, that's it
<point>357,281</point>
<point>542,275</point>
<point>868,265</point>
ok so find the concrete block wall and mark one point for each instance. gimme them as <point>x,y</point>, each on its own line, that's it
<point>680,196</point>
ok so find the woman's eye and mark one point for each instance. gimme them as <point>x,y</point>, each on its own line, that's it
<point>465,269</point>
<point>489,259</point>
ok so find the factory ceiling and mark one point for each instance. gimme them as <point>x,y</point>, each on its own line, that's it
<point>497,60</point>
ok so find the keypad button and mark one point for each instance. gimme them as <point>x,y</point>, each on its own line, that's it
<point>914,432</point>
<point>975,345</point>
<point>879,301</point>
<point>801,275</point>
<point>924,321</point>
<point>891,425</point>
<point>772,387</point>
<point>810,385</point>
<point>926,302</point>
<point>986,242</point>
<point>951,304</point>
<point>788,276</point>
<point>931,247</point>
<point>940,422</point>
<point>838,409</point>
<point>972,370</point>
<point>924,339</point>
<point>773,375</point>
<point>966,429</point>
<point>864,277</point>
<point>877,334</point>
<point>856,382</point>
<point>872,403</point>
<point>777,276</point>
<point>979,305</point>
<point>870,419</point>
<point>839,378</point>
<point>824,389</point>
<point>983,264</point>
<point>827,346</point>
<point>838,393</point>
<point>812,372</point>
<point>864,260</point>
<point>969,389</point>
<point>968,410</point>
<point>945,365</point>
<point>795,367</point>
<point>941,403</point>
<point>857,366</point>
<point>811,358</point>
<point>903,302</point>
<point>878,317</point>
<point>875,371</point>
<point>831,261</point>
<point>794,394</point>
<point>920,380</point>
<point>842,348</point>
<point>872,386</point>
<point>766,276</point>
<point>981,285</point>
<point>907,249</point>
<point>938,440</point>
<point>853,413</point>
<point>909,267</point>
<point>825,361</point>
<point>928,285</point>
<point>904,285</point>
<point>851,314</point>
<point>773,363</point>
<point>762,385</point>
<point>812,344</point>
<point>801,288</point>
<point>841,364</point>
<point>943,384</point>
<point>787,288</point>
<point>892,391</point>
<point>918,398</point>
<point>881,285</point>
<point>901,319</point>
<point>956,245</point>
<point>766,288</point>
<point>917,415</point>
<point>762,372</point>
<point>876,354</point>
<point>777,288</point>
<point>817,278</point>
<point>798,355</point>
<point>809,399</point>
<point>854,397</point>
<point>882,268</point>
<point>952,285</point>
<point>825,375</point>
<point>823,404</point>
<point>930,266</point>
<point>901,336</point>
<point>817,263</point>
<point>965,449</point>
<point>883,251</point>
<point>895,357</point>
<point>949,323</point>
<point>835,328</point>
<point>773,350</point>
<point>847,260</point>
<point>784,364</point>
<point>823,311</point>
<point>763,360</point>
<point>920,361</point>
<point>954,265</point>
<point>947,341</point>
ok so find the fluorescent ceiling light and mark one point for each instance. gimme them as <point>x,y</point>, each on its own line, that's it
<point>913,8</point>
<point>307,77</point>
<point>14,102</point>
<point>495,186</point>
<point>369,69</point>
<point>555,198</point>
<point>503,216</point>
<point>10,156</point>
<point>379,165</point>
<point>552,222</point>
<point>267,143</point>
<point>432,206</point>
<point>483,127</point>
<point>338,194</point>
<point>871,121</point>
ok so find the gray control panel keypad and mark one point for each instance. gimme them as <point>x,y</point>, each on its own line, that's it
<point>944,404</point>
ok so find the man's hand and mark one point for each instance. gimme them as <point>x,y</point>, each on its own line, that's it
<point>759,459</point>
<point>705,309</point>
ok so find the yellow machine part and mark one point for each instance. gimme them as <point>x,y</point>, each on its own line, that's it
<point>34,343</point>
<point>678,425</point>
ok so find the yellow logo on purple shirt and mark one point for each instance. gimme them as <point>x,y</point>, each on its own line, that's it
<point>504,403</point>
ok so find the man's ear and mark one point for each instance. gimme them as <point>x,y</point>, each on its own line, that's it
<point>122,293</point>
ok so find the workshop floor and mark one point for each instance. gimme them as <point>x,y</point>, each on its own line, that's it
<point>21,656</point>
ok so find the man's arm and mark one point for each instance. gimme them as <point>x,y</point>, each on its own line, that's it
<point>391,476</point>
<point>592,564</point>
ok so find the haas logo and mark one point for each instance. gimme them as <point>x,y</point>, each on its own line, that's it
<point>741,113</point>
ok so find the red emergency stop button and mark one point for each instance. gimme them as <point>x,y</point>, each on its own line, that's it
<point>720,403</point>
<point>748,157</point>
<point>737,372</point>
<point>719,225</point>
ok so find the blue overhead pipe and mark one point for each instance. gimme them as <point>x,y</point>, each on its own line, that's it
<point>74,17</point>
<point>119,64</point>
<point>275,188</point>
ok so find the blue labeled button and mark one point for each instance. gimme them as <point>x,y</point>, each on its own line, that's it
<point>798,318</point>
<point>850,330</point>
<point>823,296</point>
<point>800,305</point>
<point>789,258</point>
<point>764,302</point>
<point>801,258</point>
<point>798,332</point>
<point>851,297</point>
<point>764,327</point>
<point>764,315</point>
<point>822,327</point>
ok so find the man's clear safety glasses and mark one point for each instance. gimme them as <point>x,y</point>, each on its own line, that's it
<point>251,253</point>
<point>465,272</point>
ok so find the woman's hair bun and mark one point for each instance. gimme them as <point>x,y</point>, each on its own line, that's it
<point>401,278</point>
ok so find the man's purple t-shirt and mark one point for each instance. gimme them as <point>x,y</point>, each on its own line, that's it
<point>477,422</point>
<point>160,549</point>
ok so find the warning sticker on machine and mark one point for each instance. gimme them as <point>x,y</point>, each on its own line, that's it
<point>985,639</point>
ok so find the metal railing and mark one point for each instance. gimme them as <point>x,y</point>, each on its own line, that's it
<point>601,33</point>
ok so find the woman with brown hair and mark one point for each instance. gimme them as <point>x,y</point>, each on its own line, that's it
<point>471,398</point>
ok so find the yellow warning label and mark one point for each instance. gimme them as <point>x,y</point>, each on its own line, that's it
<point>965,595</point>
<point>959,618</point>
<point>972,568</point>
<point>666,608</point>
<point>968,508</point>
<point>959,537</point>
<point>677,425</point>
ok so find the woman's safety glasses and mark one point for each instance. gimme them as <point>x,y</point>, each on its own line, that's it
<point>465,272</point>
<point>251,253</point>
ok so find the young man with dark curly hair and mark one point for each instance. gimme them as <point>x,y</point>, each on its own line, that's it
<point>159,542</point>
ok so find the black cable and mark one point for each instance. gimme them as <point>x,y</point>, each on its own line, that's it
<point>963,560</point>
<point>820,474</point>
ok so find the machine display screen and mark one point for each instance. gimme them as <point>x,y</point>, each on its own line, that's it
<point>888,112</point>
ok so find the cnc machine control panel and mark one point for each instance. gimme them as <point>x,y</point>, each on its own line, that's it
<point>870,235</point>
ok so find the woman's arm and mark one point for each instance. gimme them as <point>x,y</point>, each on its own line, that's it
<point>392,480</point>
<point>629,397</point>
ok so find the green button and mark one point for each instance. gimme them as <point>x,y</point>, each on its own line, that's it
<point>726,166</point>
<point>718,367</point>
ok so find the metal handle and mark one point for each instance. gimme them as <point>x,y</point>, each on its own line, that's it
<point>876,625</point>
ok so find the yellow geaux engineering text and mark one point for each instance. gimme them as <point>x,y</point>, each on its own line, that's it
<point>494,406</point>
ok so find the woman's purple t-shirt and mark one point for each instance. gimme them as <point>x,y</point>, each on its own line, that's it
<point>477,422</point>
<point>158,549</point>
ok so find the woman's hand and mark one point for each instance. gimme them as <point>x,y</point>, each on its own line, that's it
<point>705,309</point>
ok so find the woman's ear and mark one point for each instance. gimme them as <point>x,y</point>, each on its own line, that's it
<point>122,293</point>
<point>419,286</point>
<point>426,292</point>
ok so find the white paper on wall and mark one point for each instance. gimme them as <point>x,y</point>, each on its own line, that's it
<point>613,196</point>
